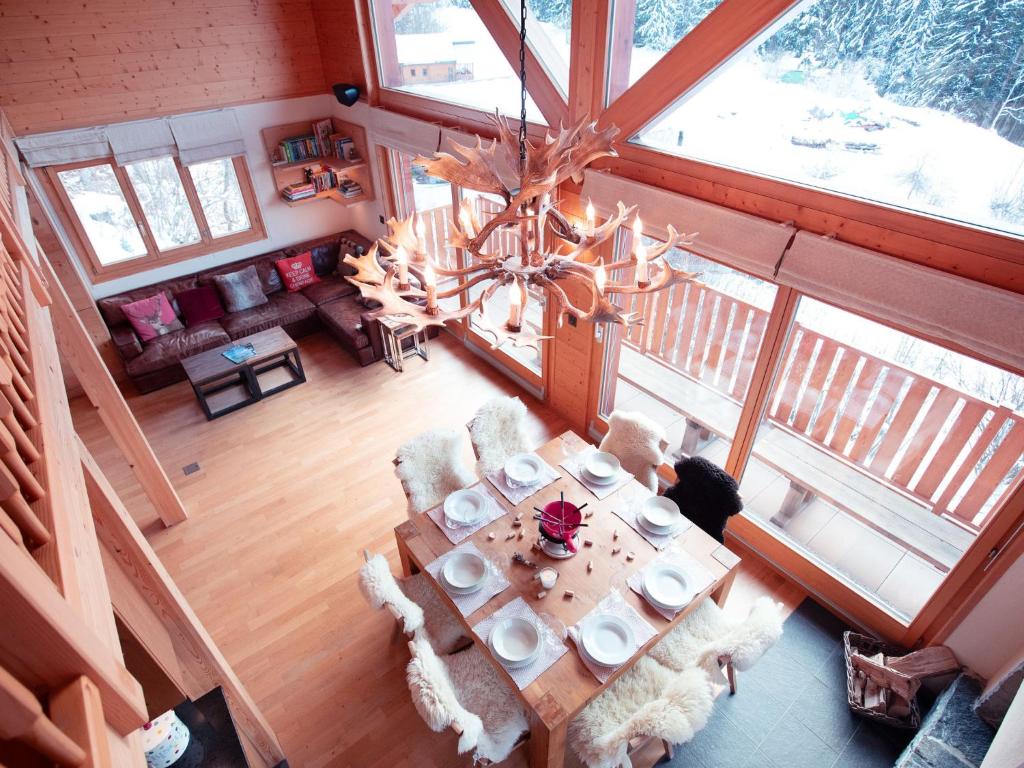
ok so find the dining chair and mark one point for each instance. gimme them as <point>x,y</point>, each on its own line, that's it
<point>647,702</point>
<point>706,494</point>
<point>708,636</point>
<point>638,443</point>
<point>464,692</point>
<point>416,606</point>
<point>497,432</point>
<point>430,467</point>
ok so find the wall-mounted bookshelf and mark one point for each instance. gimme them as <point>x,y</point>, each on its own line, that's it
<point>319,143</point>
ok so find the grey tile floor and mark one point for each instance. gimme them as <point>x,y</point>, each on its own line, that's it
<point>790,710</point>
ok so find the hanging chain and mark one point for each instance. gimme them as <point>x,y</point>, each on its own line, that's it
<point>522,85</point>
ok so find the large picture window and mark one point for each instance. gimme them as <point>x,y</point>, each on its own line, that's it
<point>134,217</point>
<point>913,105</point>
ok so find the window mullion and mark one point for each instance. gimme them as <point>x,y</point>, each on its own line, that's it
<point>193,201</point>
<point>136,208</point>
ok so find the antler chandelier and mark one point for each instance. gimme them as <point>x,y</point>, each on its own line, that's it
<point>551,247</point>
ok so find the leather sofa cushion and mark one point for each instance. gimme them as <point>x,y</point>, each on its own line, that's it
<point>110,307</point>
<point>173,347</point>
<point>282,308</point>
<point>344,320</point>
<point>269,278</point>
<point>330,288</point>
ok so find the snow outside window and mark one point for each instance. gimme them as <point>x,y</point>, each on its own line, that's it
<point>917,105</point>
<point>100,205</point>
<point>220,196</point>
<point>442,50</point>
<point>162,197</point>
<point>548,27</point>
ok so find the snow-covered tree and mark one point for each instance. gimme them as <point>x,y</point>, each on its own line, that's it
<point>655,24</point>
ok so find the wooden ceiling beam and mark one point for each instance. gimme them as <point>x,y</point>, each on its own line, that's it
<point>588,51</point>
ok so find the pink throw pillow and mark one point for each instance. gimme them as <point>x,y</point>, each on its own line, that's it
<point>152,317</point>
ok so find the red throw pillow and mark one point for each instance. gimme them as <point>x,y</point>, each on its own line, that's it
<point>297,271</point>
<point>199,305</point>
<point>152,317</point>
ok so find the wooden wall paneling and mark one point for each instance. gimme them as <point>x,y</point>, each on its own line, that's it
<point>78,709</point>
<point>194,648</point>
<point>104,394</point>
<point>338,37</point>
<point>67,65</point>
<point>721,33</point>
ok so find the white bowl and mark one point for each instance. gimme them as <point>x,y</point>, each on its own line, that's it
<point>464,507</point>
<point>464,572</point>
<point>602,466</point>
<point>515,641</point>
<point>666,586</point>
<point>608,639</point>
<point>523,469</point>
<point>659,514</point>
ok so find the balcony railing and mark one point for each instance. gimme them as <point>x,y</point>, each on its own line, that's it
<point>942,447</point>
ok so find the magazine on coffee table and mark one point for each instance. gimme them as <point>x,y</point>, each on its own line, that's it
<point>239,353</point>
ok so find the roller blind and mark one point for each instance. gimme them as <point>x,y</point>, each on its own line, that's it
<point>972,315</point>
<point>142,140</point>
<point>416,137</point>
<point>737,239</point>
<point>205,136</point>
<point>64,146</point>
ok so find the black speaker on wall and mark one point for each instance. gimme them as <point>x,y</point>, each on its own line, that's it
<point>346,93</point>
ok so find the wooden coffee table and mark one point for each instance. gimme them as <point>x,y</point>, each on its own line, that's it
<point>222,386</point>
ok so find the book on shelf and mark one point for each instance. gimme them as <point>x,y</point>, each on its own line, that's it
<point>322,129</point>
<point>298,191</point>
<point>297,148</point>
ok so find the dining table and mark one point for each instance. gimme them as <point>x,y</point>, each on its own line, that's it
<point>567,686</point>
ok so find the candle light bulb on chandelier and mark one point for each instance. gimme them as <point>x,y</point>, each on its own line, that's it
<point>515,308</point>
<point>640,251</point>
<point>402,257</point>
<point>591,214</point>
<point>430,287</point>
<point>600,278</point>
<point>466,219</point>
<point>421,233</point>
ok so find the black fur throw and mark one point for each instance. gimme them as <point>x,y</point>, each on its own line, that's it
<point>706,494</point>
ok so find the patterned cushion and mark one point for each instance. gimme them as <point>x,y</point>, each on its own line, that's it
<point>241,290</point>
<point>152,317</point>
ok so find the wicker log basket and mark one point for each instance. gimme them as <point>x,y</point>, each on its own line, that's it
<point>896,673</point>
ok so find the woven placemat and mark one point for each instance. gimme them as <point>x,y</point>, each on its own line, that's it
<point>552,648</point>
<point>494,510</point>
<point>519,494</point>
<point>627,513</point>
<point>615,604</point>
<point>698,578</point>
<point>574,466</point>
<point>467,604</point>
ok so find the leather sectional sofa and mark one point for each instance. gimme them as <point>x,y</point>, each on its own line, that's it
<point>333,304</point>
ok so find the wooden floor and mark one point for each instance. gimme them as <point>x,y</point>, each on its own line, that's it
<point>286,495</point>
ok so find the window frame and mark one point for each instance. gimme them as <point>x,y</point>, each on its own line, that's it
<point>154,256</point>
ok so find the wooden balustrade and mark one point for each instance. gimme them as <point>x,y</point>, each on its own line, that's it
<point>943,447</point>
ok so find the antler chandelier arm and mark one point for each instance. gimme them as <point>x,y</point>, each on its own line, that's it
<point>463,287</point>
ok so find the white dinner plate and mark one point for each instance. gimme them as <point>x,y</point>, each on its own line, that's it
<point>602,466</point>
<point>666,586</point>
<point>465,506</point>
<point>523,469</point>
<point>608,639</point>
<point>464,572</point>
<point>515,641</point>
<point>659,515</point>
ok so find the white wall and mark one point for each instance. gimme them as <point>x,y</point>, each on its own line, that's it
<point>285,225</point>
<point>992,635</point>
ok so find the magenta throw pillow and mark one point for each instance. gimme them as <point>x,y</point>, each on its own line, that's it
<point>152,317</point>
<point>199,305</point>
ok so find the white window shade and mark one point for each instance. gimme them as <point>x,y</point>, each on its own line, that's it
<point>972,315</point>
<point>207,136</point>
<point>736,239</point>
<point>142,140</point>
<point>64,147</point>
<point>415,137</point>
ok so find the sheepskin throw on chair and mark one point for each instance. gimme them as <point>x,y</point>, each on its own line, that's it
<point>706,494</point>
<point>638,443</point>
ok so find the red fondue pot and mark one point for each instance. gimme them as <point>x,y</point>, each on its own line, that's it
<point>561,522</point>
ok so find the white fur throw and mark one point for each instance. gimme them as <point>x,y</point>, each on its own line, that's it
<point>430,467</point>
<point>648,700</point>
<point>708,633</point>
<point>465,689</point>
<point>636,441</point>
<point>498,431</point>
<point>442,626</point>
<point>380,588</point>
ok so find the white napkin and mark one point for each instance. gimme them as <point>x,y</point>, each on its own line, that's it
<point>518,494</point>
<point>552,648</point>
<point>615,604</point>
<point>698,578</point>
<point>659,542</point>
<point>493,510</point>
<point>493,585</point>
<point>574,465</point>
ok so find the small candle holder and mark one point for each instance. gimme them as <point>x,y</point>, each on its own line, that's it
<point>513,328</point>
<point>433,311</point>
<point>405,286</point>
<point>643,284</point>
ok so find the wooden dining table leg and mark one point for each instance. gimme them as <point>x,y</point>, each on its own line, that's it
<point>721,593</point>
<point>403,534</point>
<point>549,725</point>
